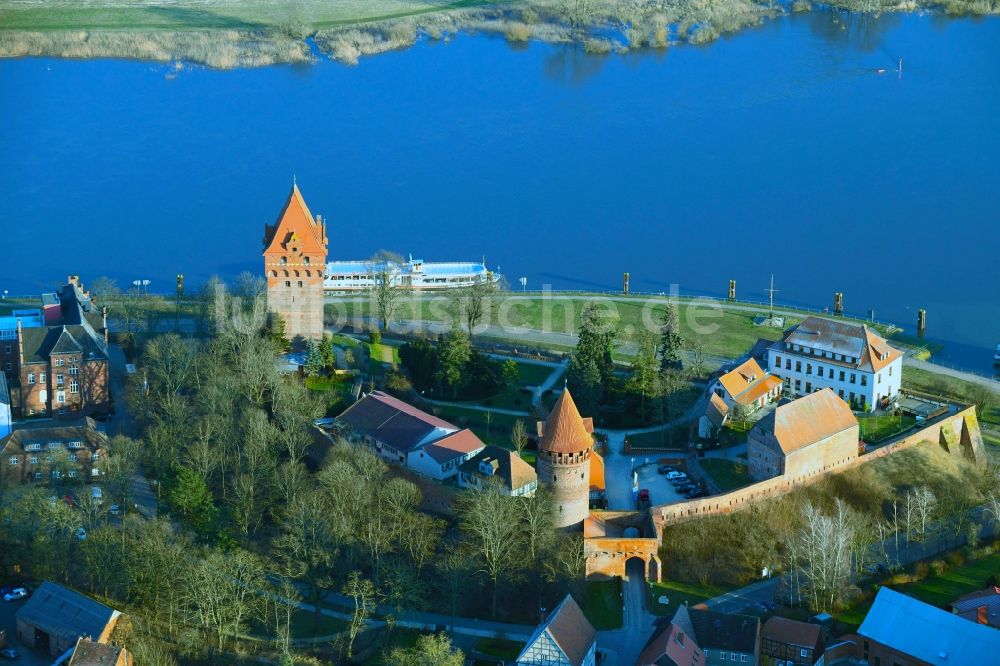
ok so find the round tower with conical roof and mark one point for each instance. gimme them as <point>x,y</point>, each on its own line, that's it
<point>563,463</point>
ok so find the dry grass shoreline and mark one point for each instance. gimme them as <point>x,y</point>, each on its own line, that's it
<point>226,34</point>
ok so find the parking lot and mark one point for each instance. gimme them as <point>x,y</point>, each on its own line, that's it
<point>7,611</point>
<point>661,491</point>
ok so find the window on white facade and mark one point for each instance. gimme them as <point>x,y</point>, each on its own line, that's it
<point>74,387</point>
<point>61,397</point>
<point>59,380</point>
<point>31,378</point>
<point>14,460</point>
<point>41,378</point>
<point>33,460</point>
<point>74,370</point>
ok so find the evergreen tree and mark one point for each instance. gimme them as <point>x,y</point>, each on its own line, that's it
<point>326,352</point>
<point>314,359</point>
<point>454,353</point>
<point>583,379</point>
<point>671,340</point>
<point>598,331</point>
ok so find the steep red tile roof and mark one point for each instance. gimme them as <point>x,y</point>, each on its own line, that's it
<point>297,227</point>
<point>571,630</point>
<point>717,410</point>
<point>565,431</point>
<point>747,382</point>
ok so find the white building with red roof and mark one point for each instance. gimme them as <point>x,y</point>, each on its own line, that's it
<point>404,435</point>
<point>853,360</point>
<point>748,386</point>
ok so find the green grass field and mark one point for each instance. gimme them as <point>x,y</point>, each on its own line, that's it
<point>602,603</point>
<point>498,647</point>
<point>937,591</point>
<point>728,474</point>
<point>208,14</point>
<point>877,428</point>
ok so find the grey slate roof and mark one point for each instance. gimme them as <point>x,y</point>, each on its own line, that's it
<point>927,633</point>
<point>724,631</point>
<point>62,612</point>
<point>394,422</point>
<point>82,430</point>
<point>39,343</point>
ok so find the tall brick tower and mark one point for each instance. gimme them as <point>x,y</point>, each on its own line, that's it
<point>564,453</point>
<point>294,263</point>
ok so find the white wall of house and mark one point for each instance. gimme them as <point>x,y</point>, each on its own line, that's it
<point>808,373</point>
<point>422,463</point>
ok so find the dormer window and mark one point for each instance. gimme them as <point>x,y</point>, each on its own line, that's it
<point>306,261</point>
<point>284,261</point>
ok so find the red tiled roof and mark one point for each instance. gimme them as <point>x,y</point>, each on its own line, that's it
<point>809,419</point>
<point>295,226</point>
<point>455,445</point>
<point>565,431</point>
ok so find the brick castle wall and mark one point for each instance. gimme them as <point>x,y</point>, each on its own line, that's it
<point>958,434</point>
<point>570,485</point>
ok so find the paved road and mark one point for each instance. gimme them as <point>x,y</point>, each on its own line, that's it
<point>122,423</point>
<point>624,645</point>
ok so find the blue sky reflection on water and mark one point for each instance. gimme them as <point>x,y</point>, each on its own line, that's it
<point>779,149</point>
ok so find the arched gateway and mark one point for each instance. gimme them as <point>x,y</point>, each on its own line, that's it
<point>613,538</point>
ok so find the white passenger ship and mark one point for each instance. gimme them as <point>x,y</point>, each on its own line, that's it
<point>414,274</point>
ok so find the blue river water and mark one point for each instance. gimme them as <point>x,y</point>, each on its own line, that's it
<point>779,150</point>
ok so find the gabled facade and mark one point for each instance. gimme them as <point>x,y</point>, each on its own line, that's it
<point>853,360</point>
<point>566,638</point>
<point>812,435</point>
<point>50,451</point>
<point>494,464</point>
<point>54,618</point>
<point>60,369</point>
<point>295,249</point>
<point>404,435</point>
<point>787,642</point>
<point>441,458</point>
<point>747,387</point>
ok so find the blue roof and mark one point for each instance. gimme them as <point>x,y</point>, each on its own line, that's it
<point>29,319</point>
<point>927,633</point>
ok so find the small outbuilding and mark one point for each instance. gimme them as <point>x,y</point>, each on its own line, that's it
<point>55,618</point>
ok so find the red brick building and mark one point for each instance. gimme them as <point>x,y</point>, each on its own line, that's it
<point>48,450</point>
<point>60,369</point>
<point>295,249</point>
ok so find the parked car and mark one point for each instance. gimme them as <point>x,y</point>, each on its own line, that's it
<point>679,480</point>
<point>15,594</point>
<point>686,488</point>
<point>643,500</point>
<point>81,533</point>
<point>697,492</point>
<point>676,475</point>
<point>114,509</point>
<point>666,469</point>
<point>10,653</point>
